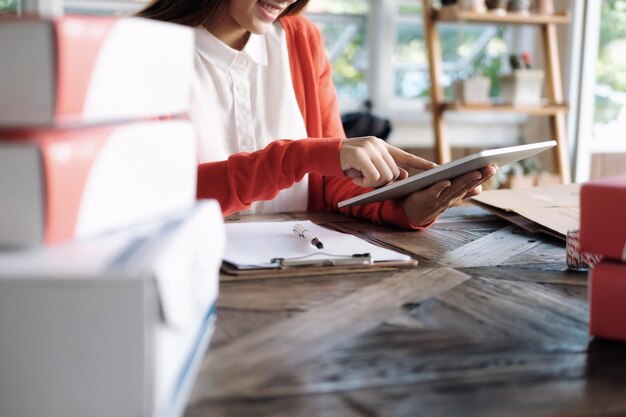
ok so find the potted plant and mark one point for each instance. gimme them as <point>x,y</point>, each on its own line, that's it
<point>519,6</point>
<point>497,6</point>
<point>523,86</point>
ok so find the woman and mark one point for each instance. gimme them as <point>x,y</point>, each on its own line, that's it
<point>262,80</point>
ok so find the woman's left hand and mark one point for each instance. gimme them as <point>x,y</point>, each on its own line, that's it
<point>423,207</point>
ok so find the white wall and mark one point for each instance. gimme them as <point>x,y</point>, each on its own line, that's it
<point>482,131</point>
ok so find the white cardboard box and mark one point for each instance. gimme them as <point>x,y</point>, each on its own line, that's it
<point>114,326</point>
<point>64,184</point>
<point>92,69</point>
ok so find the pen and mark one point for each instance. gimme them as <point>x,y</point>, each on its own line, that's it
<point>305,234</point>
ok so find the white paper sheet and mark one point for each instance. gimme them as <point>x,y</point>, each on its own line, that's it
<point>255,244</point>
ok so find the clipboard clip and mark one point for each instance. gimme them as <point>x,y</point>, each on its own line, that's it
<point>330,260</point>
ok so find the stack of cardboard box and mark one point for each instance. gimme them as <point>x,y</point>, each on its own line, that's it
<point>603,232</point>
<point>108,265</point>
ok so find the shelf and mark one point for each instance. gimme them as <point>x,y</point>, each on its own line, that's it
<point>545,110</point>
<point>453,14</point>
<point>552,107</point>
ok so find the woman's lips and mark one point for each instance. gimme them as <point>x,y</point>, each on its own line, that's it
<point>271,11</point>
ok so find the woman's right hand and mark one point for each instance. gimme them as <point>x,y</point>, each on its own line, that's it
<point>371,162</point>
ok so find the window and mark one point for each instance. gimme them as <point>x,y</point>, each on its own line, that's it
<point>343,24</point>
<point>610,90</point>
<point>8,6</point>
<point>103,7</point>
<point>466,50</point>
<point>391,32</point>
<point>599,110</point>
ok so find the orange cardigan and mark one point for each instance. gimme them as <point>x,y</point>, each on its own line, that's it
<point>242,179</point>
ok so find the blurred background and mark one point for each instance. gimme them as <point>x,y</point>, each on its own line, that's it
<point>378,52</point>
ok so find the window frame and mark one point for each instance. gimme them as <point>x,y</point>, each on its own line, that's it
<point>346,104</point>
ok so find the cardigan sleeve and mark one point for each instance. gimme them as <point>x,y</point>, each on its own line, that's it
<point>248,177</point>
<point>338,188</point>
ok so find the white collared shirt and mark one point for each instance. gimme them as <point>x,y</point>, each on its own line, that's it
<point>243,100</point>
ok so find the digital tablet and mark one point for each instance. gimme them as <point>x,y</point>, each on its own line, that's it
<point>450,170</point>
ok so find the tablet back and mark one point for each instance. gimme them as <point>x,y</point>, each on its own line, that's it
<point>450,170</point>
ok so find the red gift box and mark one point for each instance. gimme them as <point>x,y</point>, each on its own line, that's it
<point>607,300</point>
<point>603,217</point>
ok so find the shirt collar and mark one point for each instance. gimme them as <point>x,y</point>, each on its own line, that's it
<point>218,53</point>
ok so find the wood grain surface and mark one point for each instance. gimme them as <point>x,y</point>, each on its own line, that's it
<point>232,370</point>
<point>491,323</point>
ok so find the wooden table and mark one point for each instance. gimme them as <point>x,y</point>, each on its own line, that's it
<point>489,324</point>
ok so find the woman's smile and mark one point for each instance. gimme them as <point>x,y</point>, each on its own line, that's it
<point>270,11</point>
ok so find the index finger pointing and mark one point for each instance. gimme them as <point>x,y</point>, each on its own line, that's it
<point>407,160</point>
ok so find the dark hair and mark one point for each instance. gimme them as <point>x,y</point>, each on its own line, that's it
<point>198,12</point>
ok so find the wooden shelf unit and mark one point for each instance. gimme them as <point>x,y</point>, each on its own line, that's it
<point>553,87</point>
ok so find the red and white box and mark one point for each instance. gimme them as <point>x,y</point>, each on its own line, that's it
<point>607,300</point>
<point>92,69</point>
<point>603,217</point>
<point>66,184</point>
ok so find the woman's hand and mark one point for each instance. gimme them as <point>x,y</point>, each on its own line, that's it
<point>423,207</point>
<point>371,162</point>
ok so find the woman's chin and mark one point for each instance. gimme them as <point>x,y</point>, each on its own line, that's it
<point>259,28</point>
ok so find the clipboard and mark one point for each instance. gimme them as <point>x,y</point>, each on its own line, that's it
<point>272,249</point>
